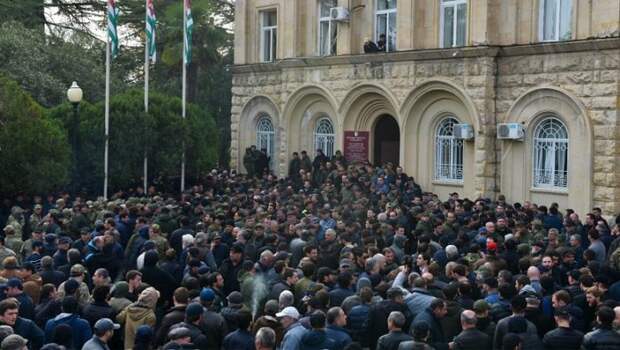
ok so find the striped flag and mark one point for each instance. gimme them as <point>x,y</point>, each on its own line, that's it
<point>112,22</point>
<point>151,24</point>
<point>187,33</point>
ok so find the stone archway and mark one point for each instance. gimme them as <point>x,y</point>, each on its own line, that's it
<point>257,108</point>
<point>517,157</point>
<point>386,140</point>
<point>423,110</point>
<point>362,109</point>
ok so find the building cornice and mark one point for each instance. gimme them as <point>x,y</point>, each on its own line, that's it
<point>433,54</point>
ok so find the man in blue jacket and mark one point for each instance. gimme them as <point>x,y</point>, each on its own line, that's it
<point>81,329</point>
<point>293,329</point>
<point>316,339</point>
<point>432,316</point>
<point>336,321</point>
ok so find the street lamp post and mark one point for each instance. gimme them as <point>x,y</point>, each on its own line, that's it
<point>74,95</point>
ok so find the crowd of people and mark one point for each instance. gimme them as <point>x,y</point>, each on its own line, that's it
<point>334,256</point>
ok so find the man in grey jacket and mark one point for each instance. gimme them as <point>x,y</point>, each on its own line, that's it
<point>104,331</point>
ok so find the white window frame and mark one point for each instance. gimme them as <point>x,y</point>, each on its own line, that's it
<point>265,130</point>
<point>331,26</point>
<point>325,139</point>
<point>454,169</point>
<point>455,4</point>
<point>554,178</point>
<point>272,32</point>
<point>558,21</point>
<point>387,13</point>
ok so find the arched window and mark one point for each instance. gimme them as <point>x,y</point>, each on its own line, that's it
<point>324,136</point>
<point>550,154</point>
<point>448,152</point>
<point>265,136</point>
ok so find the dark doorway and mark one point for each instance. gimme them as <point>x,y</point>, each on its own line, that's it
<point>386,140</point>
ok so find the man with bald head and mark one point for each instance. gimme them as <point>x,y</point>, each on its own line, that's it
<point>470,338</point>
<point>533,273</point>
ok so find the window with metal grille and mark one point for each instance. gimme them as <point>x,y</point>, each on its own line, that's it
<point>453,23</point>
<point>550,154</point>
<point>448,152</point>
<point>555,20</point>
<point>385,23</point>
<point>265,136</point>
<point>324,137</point>
<point>328,29</point>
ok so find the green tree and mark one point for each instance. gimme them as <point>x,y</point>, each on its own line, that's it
<point>209,79</point>
<point>34,153</point>
<point>161,133</point>
<point>45,66</point>
<point>39,14</point>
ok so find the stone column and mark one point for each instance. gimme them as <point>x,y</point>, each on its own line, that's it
<point>487,147</point>
<point>240,32</point>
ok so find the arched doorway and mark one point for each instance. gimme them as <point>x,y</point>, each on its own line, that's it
<point>386,140</point>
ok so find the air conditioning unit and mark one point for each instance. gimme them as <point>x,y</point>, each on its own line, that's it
<point>463,131</point>
<point>339,14</point>
<point>510,131</point>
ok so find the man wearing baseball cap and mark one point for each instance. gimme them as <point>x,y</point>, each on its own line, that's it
<point>104,331</point>
<point>214,323</point>
<point>293,330</point>
<point>193,323</point>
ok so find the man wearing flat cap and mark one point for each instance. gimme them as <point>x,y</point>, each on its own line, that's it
<point>180,338</point>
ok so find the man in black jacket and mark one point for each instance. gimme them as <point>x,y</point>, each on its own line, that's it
<point>470,338</point>
<point>294,166</point>
<point>230,269</point>
<point>157,278</point>
<point>175,315</point>
<point>379,313</point>
<point>604,337</point>
<point>193,322</point>
<point>563,337</point>
<point>289,278</point>
<point>176,237</point>
<point>396,321</point>
<point>213,324</point>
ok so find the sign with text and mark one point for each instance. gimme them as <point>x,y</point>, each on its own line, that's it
<point>356,146</point>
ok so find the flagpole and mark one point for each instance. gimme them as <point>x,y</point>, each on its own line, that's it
<point>107,118</point>
<point>184,89</point>
<point>146,95</point>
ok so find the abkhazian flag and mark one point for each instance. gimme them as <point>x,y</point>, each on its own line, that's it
<point>112,22</point>
<point>151,24</point>
<point>187,35</point>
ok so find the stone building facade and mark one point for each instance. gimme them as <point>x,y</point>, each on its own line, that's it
<point>552,66</point>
